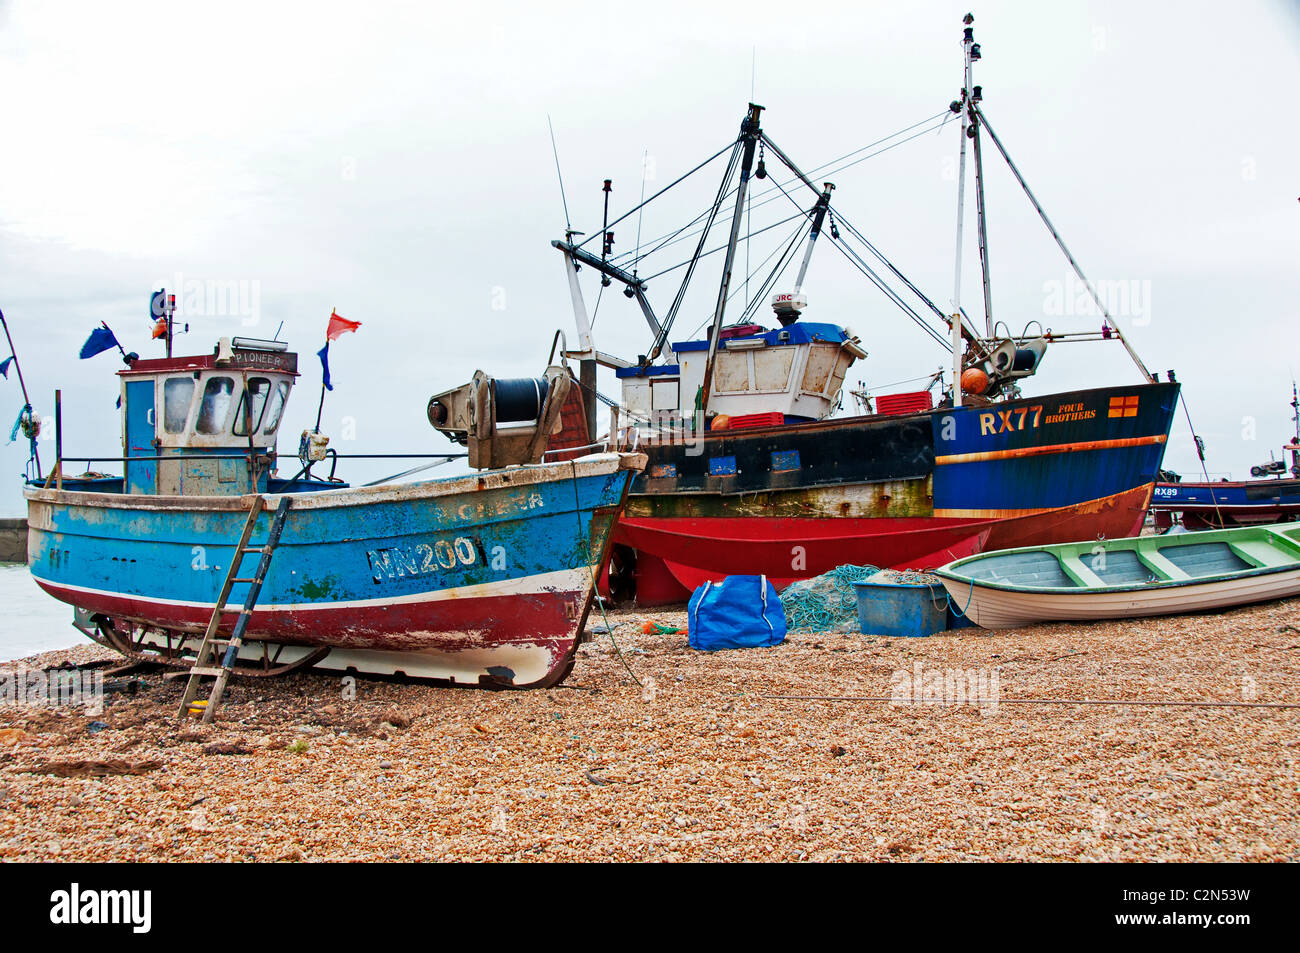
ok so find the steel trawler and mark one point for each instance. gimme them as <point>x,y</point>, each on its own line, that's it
<point>750,471</point>
<point>203,557</point>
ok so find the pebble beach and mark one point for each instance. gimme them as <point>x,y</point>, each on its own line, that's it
<point>709,757</point>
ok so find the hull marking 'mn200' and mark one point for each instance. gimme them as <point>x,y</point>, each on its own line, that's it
<point>397,562</point>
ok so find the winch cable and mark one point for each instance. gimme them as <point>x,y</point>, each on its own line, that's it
<point>584,540</point>
<point>1200,452</point>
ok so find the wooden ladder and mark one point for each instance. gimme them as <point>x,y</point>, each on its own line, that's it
<point>207,662</point>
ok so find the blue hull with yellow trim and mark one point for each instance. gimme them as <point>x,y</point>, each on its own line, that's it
<point>904,490</point>
<point>1044,453</point>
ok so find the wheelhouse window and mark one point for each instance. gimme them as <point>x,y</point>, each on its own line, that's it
<point>215,409</point>
<point>276,406</point>
<point>178,394</point>
<point>252,405</point>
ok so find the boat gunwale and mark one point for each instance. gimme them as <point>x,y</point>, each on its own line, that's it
<point>600,464</point>
<point>812,426</point>
<point>1138,544</point>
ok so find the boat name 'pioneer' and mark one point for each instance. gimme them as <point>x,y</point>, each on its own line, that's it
<point>397,562</point>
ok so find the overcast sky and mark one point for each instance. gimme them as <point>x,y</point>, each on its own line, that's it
<point>394,162</point>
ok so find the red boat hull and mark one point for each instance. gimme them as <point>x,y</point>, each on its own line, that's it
<point>787,548</point>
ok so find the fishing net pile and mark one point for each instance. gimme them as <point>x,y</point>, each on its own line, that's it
<point>908,577</point>
<point>825,603</point>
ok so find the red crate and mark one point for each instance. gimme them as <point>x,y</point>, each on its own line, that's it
<point>751,421</point>
<point>911,402</point>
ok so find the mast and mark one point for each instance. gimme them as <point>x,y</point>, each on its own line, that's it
<point>1295,441</point>
<point>968,41</point>
<point>975,94</point>
<point>749,136</point>
<point>819,217</point>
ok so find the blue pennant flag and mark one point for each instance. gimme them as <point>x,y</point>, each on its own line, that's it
<point>324,355</point>
<point>13,434</point>
<point>101,339</point>
<point>4,367</point>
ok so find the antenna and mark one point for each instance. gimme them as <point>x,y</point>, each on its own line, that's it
<point>568,228</point>
<point>636,262</point>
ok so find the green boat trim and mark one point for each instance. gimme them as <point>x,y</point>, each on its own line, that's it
<point>1206,557</point>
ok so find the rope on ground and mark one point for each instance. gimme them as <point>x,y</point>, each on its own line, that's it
<point>584,541</point>
<point>1145,703</point>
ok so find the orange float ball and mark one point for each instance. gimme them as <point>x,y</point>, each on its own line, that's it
<point>720,422</point>
<point>974,381</point>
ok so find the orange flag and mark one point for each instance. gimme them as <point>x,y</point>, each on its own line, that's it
<point>339,326</point>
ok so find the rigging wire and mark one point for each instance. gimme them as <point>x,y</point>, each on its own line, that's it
<point>891,294</point>
<point>880,283</point>
<point>782,264</point>
<point>596,311</point>
<point>731,145</point>
<point>870,145</point>
<point>645,157</point>
<point>777,191</point>
<point>714,251</point>
<point>667,324</point>
<point>1061,244</point>
<point>1200,452</point>
<point>890,265</point>
<point>770,195</point>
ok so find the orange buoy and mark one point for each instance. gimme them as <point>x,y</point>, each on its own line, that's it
<point>720,422</point>
<point>974,381</point>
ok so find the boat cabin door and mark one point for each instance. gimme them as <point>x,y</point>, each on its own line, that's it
<point>141,438</point>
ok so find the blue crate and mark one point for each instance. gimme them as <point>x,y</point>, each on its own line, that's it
<point>901,609</point>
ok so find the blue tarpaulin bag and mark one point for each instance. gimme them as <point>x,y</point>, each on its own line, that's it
<point>738,613</point>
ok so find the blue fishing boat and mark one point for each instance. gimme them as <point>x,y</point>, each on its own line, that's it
<point>1273,496</point>
<point>202,555</point>
<point>743,429</point>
